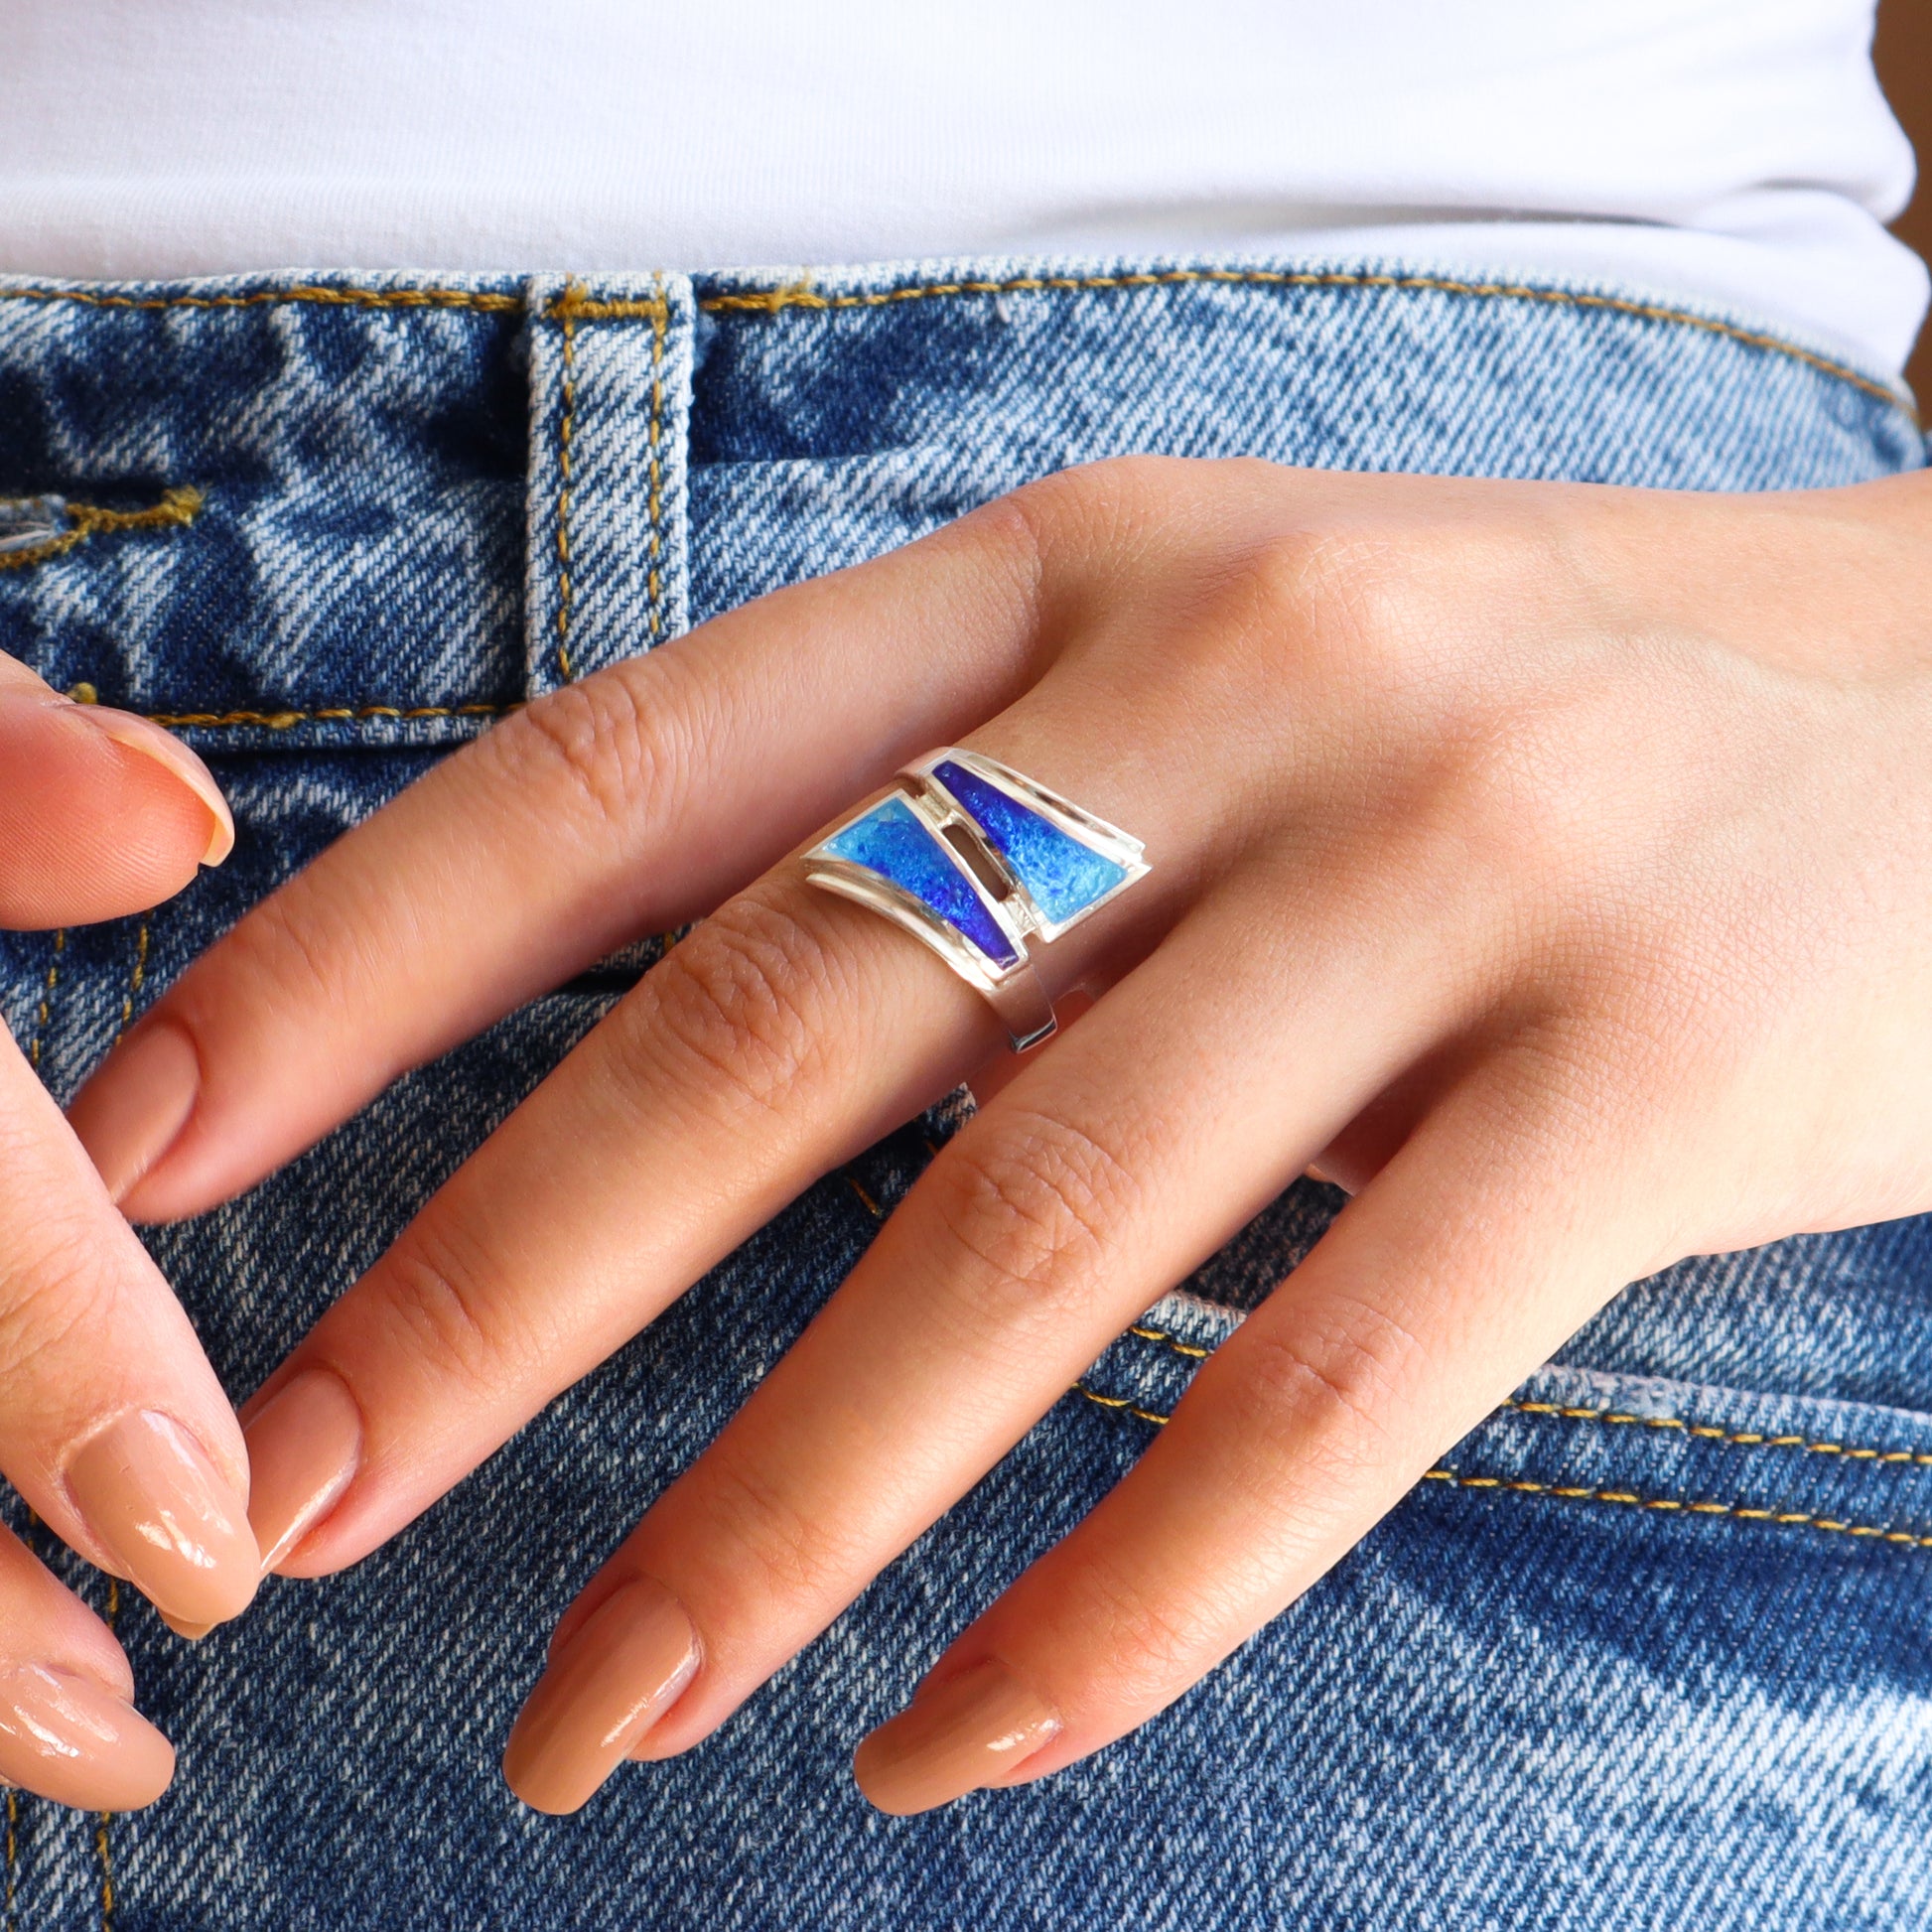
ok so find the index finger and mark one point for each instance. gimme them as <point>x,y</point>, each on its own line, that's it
<point>625,805</point>
<point>622,806</point>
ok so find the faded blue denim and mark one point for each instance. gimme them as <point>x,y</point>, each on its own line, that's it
<point>1650,1649</point>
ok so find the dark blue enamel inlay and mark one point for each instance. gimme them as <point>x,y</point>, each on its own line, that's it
<point>895,843</point>
<point>1063,875</point>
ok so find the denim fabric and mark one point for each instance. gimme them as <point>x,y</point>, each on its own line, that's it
<point>1648,1649</point>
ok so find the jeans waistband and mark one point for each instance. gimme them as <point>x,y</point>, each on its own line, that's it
<point>287,511</point>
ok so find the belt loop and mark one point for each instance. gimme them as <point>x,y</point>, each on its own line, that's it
<point>608,559</point>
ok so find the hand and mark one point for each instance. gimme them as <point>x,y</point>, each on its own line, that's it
<point>112,1424</point>
<point>1549,863</point>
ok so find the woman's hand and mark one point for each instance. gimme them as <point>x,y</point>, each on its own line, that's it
<point>1553,865</point>
<point>112,1424</point>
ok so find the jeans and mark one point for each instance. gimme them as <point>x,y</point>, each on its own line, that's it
<point>1649,1648</point>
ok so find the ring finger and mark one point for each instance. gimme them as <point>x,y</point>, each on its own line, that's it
<point>779,1039</point>
<point>1190,1096</point>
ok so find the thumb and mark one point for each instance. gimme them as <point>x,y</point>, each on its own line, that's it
<point>101,813</point>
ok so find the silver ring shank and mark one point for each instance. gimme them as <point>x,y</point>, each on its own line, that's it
<point>1020,1001</point>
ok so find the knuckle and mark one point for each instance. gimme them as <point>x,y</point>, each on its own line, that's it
<point>775,1550</point>
<point>1032,1210</point>
<point>288,946</point>
<point>742,997</point>
<point>615,747</point>
<point>436,1302</point>
<point>1340,1376</point>
<point>1145,1642</point>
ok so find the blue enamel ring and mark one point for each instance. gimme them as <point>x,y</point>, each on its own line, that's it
<point>977,862</point>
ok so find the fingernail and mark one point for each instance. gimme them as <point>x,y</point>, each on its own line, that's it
<point>610,1683</point>
<point>149,741</point>
<point>146,1488</point>
<point>304,1447</point>
<point>951,1739</point>
<point>133,1110</point>
<point>193,1632</point>
<point>74,1741</point>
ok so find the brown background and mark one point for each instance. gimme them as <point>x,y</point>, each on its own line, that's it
<point>1906,67</point>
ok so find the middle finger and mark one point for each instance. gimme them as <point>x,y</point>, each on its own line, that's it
<point>781,1038</point>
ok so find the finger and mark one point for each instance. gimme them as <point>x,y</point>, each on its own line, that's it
<point>101,813</point>
<point>68,1729</point>
<point>112,1424</point>
<point>782,1037</point>
<point>627,805</point>
<point>1467,1263</point>
<point>1103,1173</point>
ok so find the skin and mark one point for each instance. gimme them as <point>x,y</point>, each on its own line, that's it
<point>101,814</point>
<point>1546,862</point>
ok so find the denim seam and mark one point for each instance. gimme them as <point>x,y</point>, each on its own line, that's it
<point>1736,1512</point>
<point>654,548</point>
<point>13,1824</point>
<point>287,720</point>
<point>46,1010</point>
<point>574,305</point>
<point>1702,1432</point>
<point>101,1845</point>
<point>176,510</point>
<point>481,299</point>
<point>1629,1500</point>
<point>566,426</point>
<point>1711,1432</point>
<point>870,1206</point>
<point>137,977</point>
<point>770,302</point>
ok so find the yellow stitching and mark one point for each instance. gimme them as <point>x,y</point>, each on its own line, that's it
<point>657,426</point>
<point>566,426</point>
<point>577,304</point>
<point>343,298</point>
<point>47,998</point>
<point>873,1208</point>
<point>135,978</point>
<point>1710,1432</point>
<point>281,721</point>
<point>1167,1340</point>
<point>1798,1519</point>
<point>177,509</point>
<point>1123,1405</point>
<point>1703,1432</point>
<point>106,1873</point>
<point>13,1821</point>
<point>1661,1505</point>
<point>769,301</point>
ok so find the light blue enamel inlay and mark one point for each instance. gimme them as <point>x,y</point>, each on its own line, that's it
<point>895,843</point>
<point>1063,875</point>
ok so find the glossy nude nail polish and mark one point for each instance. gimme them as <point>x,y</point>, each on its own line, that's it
<point>74,1740</point>
<point>305,1444</point>
<point>177,1530</point>
<point>619,1672</point>
<point>952,1738</point>
<point>134,1111</point>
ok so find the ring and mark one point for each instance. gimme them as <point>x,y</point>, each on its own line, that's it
<point>976,861</point>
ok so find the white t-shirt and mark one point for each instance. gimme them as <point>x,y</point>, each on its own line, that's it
<point>1733,152</point>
